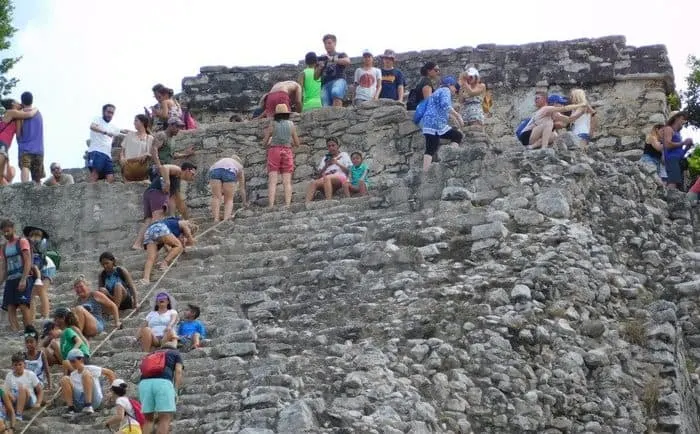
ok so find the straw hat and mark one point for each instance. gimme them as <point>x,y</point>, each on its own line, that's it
<point>281,109</point>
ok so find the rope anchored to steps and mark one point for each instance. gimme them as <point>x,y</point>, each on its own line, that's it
<point>135,310</point>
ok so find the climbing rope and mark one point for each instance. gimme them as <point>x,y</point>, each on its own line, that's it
<point>138,307</point>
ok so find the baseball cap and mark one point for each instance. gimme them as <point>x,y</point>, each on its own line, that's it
<point>366,52</point>
<point>556,99</point>
<point>118,383</point>
<point>449,81</point>
<point>390,54</point>
<point>48,326</point>
<point>472,72</point>
<point>74,354</point>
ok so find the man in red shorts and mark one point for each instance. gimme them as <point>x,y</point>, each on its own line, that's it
<point>284,92</point>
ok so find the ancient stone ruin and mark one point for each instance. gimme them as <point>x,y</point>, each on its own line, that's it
<point>504,291</point>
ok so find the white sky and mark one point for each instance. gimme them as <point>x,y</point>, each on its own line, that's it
<point>81,54</point>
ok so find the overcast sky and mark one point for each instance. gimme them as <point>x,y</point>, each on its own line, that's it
<point>81,54</point>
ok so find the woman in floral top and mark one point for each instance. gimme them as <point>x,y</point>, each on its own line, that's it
<point>436,119</point>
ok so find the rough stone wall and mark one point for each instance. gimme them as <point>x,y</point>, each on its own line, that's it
<point>628,84</point>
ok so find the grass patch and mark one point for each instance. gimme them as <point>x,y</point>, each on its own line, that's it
<point>651,395</point>
<point>635,332</point>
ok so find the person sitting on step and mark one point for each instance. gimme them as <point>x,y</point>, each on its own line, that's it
<point>333,171</point>
<point>116,283</point>
<point>357,182</point>
<point>7,413</point>
<point>81,390</point>
<point>95,303</point>
<point>23,386</point>
<point>70,332</point>
<point>191,331</point>
<point>159,325</point>
<point>34,359</point>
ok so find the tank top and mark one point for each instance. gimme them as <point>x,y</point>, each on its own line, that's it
<point>282,133</point>
<point>312,91</point>
<point>93,306</point>
<point>36,366</point>
<point>582,125</point>
<point>651,151</point>
<point>675,152</point>
<point>7,133</point>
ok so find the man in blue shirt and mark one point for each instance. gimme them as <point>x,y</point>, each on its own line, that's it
<point>392,79</point>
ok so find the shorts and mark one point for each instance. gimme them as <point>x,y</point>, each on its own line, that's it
<point>128,302</point>
<point>135,170</point>
<point>35,164</point>
<point>154,200</point>
<point>432,141</point>
<point>132,428</point>
<point>154,232</point>
<point>13,297</point>
<point>49,270</point>
<point>525,138</point>
<point>656,163</point>
<point>79,400</point>
<point>275,98</point>
<point>100,163</point>
<point>223,175</point>
<point>100,322</point>
<point>340,176</point>
<point>29,404</point>
<point>280,159</point>
<point>4,149</point>
<point>332,90</point>
<point>157,395</point>
<point>673,170</point>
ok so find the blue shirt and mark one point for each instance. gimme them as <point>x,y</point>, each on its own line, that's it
<point>172,358</point>
<point>32,139</point>
<point>173,224</point>
<point>675,152</point>
<point>437,112</point>
<point>358,173</point>
<point>391,80</point>
<point>189,328</point>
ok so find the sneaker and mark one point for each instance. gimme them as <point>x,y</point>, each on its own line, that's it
<point>88,409</point>
<point>19,417</point>
<point>70,412</point>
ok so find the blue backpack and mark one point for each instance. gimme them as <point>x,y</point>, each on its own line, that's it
<point>420,111</point>
<point>521,127</point>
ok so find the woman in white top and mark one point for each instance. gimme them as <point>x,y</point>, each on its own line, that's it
<point>160,323</point>
<point>136,151</point>
<point>225,176</point>
<point>582,119</point>
<point>124,414</point>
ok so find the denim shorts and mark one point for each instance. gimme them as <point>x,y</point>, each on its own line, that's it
<point>223,175</point>
<point>79,400</point>
<point>154,232</point>
<point>100,163</point>
<point>333,89</point>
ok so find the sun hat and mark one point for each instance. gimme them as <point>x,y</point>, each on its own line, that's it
<point>472,72</point>
<point>28,229</point>
<point>389,54</point>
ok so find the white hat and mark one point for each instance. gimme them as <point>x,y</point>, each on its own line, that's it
<point>118,383</point>
<point>472,72</point>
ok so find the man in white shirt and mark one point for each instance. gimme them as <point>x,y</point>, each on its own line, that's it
<point>99,160</point>
<point>333,169</point>
<point>81,390</point>
<point>23,386</point>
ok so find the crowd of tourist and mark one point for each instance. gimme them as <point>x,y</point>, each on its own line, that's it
<point>442,106</point>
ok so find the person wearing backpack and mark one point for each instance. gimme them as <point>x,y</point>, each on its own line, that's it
<point>127,411</point>
<point>425,87</point>
<point>161,377</point>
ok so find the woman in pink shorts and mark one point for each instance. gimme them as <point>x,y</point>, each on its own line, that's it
<point>280,137</point>
<point>333,170</point>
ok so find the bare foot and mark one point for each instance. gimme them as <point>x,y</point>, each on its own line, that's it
<point>145,282</point>
<point>162,265</point>
<point>135,247</point>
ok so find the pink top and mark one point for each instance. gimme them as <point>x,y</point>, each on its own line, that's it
<point>7,132</point>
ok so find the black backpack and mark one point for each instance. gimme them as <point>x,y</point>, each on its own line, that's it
<point>414,97</point>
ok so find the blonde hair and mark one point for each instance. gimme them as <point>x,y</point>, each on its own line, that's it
<point>578,96</point>
<point>654,133</point>
<point>79,279</point>
<point>463,76</point>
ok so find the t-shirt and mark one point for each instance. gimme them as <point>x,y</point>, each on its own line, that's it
<point>343,158</point>
<point>358,173</point>
<point>173,224</point>
<point>332,71</point>
<point>130,417</point>
<point>7,133</point>
<point>28,379</point>
<point>77,382</point>
<point>67,342</point>
<point>134,147</point>
<point>99,142</point>
<point>189,328</point>
<point>172,358</point>
<point>65,179</point>
<point>159,322</point>
<point>391,80</point>
<point>12,254</point>
<point>367,80</point>
<point>165,152</point>
<point>229,164</point>
<point>31,141</point>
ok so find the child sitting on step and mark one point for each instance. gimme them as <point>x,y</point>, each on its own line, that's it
<point>191,331</point>
<point>357,182</point>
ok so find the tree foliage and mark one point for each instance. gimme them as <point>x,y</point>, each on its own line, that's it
<point>6,33</point>
<point>691,95</point>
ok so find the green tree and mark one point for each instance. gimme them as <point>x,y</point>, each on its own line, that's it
<point>691,96</point>
<point>6,33</point>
